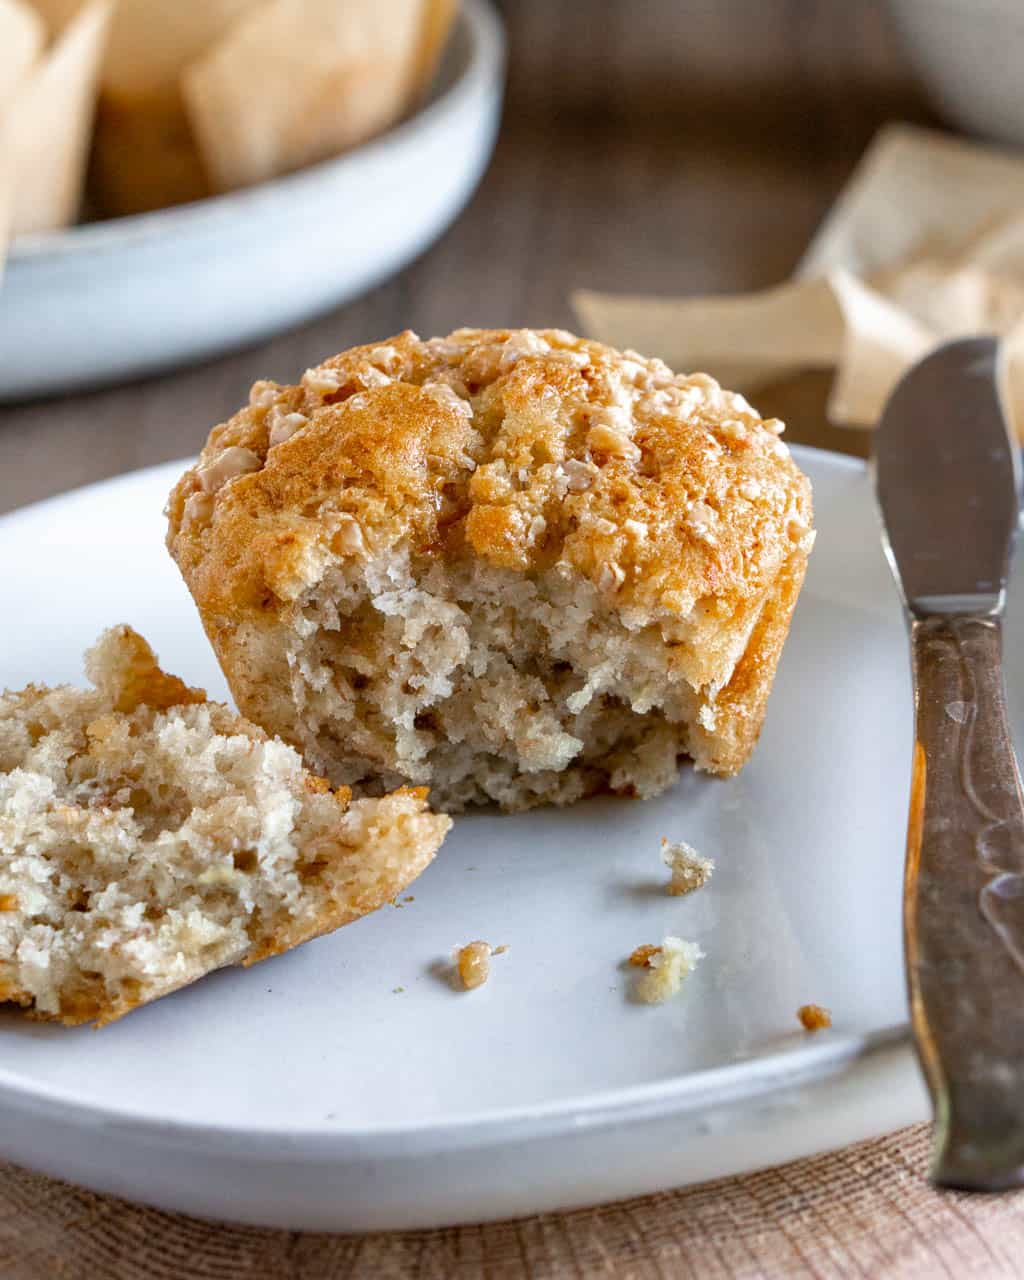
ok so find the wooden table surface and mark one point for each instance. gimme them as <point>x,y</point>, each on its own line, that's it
<point>656,147</point>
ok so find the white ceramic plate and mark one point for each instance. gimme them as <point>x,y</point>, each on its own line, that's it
<point>307,1093</point>
<point>111,300</point>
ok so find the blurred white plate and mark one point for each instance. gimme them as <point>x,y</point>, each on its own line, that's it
<point>307,1093</point>
<point>111,300</point>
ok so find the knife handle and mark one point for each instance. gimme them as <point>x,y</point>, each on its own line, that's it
<point>964,904</point>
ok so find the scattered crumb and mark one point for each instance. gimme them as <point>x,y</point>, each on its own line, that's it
<point>500,951</point>
<point>397,991</point>
<point>664,968</point>
<point>690,869</point>
<point>813,1017</point>
<point>473,962</point>
<point>409,898</point>
<point>641,957</point>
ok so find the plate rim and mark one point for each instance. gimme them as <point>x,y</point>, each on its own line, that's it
<point>725,1085</point>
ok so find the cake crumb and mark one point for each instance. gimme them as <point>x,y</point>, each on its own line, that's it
<point>397,991</point>
<point>149,836</point>
<point>473,962</point>
<point>663,968</point>
<point>813,1017</point>
<point>690,869</point>
<point>500,951</point>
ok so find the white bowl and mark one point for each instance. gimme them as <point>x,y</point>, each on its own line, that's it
<point>967,54</point>
<point>111,300</point>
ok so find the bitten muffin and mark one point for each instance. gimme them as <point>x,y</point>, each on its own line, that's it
<point>148,836</point>
<point>513,565</point>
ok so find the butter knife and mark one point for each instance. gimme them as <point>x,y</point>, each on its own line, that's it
<point>948,484</point>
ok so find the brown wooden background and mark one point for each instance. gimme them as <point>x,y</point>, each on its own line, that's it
<point>661,145</point>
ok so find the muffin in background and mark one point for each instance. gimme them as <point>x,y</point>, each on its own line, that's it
<point>208,95</point>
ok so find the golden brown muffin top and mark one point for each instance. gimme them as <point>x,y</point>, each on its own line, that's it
<point>532,450</point>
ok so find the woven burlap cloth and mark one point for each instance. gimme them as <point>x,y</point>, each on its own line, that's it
<point>864,1211</point>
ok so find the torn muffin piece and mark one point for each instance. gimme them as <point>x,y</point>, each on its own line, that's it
<point>148,836</point>
<point>663,968</point>
<point>690,869</point>
<point>513,565</point>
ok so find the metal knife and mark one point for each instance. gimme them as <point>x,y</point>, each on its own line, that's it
<point>948,483</point>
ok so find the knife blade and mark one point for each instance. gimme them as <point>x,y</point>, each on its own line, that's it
<point>947,478</point>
